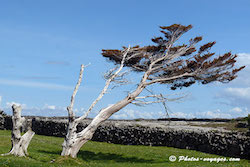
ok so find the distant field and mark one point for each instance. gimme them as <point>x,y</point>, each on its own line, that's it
<point>45,151</point>
<point>231,125</point>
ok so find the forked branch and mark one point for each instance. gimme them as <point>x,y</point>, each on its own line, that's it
<point>113,74</point>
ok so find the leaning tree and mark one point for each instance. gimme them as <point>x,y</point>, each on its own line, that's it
<point>165,62</point>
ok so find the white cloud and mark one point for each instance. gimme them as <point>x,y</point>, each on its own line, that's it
<point>126,114</point>
<point>52,110</point>
<point>214,114</point>
<point>231,113</point>
<point>133,114</point>
<point>205,114</point>
<point>10,104</point>
<point>236,109</point>
<point>46,110</point>
<point>121,116</point>
<point>236,96</point>
<point>34,84</point>
<point>239,92</point>
<point>181,115</point>
<point>243,59</point>
<point>51,107</point>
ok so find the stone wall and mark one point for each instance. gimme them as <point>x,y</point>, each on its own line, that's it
<point>229,144</point>
<point>2,116</point>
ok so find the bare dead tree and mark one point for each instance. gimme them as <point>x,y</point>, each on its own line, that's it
<point>19,143</point>
<point>73,140</point>
<point>163,63</point>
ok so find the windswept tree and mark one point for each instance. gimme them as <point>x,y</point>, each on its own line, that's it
<point>165,62</point>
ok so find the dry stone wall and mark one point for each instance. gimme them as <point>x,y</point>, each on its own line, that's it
<point>2,116</point>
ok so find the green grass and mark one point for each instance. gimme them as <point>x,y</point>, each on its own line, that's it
<point>45,151</point>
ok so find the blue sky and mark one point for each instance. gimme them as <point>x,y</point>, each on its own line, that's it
<point>43,44</point>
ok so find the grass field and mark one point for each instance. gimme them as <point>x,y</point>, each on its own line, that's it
<point>45,151</point>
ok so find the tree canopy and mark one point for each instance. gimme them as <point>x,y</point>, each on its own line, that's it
<point>177,65</point>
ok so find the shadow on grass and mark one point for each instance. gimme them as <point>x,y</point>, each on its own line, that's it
<point>92,156</point>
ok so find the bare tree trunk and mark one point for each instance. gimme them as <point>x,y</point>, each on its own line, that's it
<point>19,143</point>
<point>74,141</point>
<point>70,139</point>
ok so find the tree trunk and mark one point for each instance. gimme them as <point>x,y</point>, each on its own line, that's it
<point>19,143</point>
<point>70,141</point>
<point>72,146</point>
<point>74,141</point>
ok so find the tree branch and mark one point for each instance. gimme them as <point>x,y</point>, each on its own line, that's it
<point>104,90</point>
<point>170,78</point>
<point>70,107</point>
<point>159,99</point>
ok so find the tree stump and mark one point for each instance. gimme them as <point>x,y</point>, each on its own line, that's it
<point>19,143</point>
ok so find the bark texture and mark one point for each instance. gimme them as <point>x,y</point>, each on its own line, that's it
<point>19,143</point>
